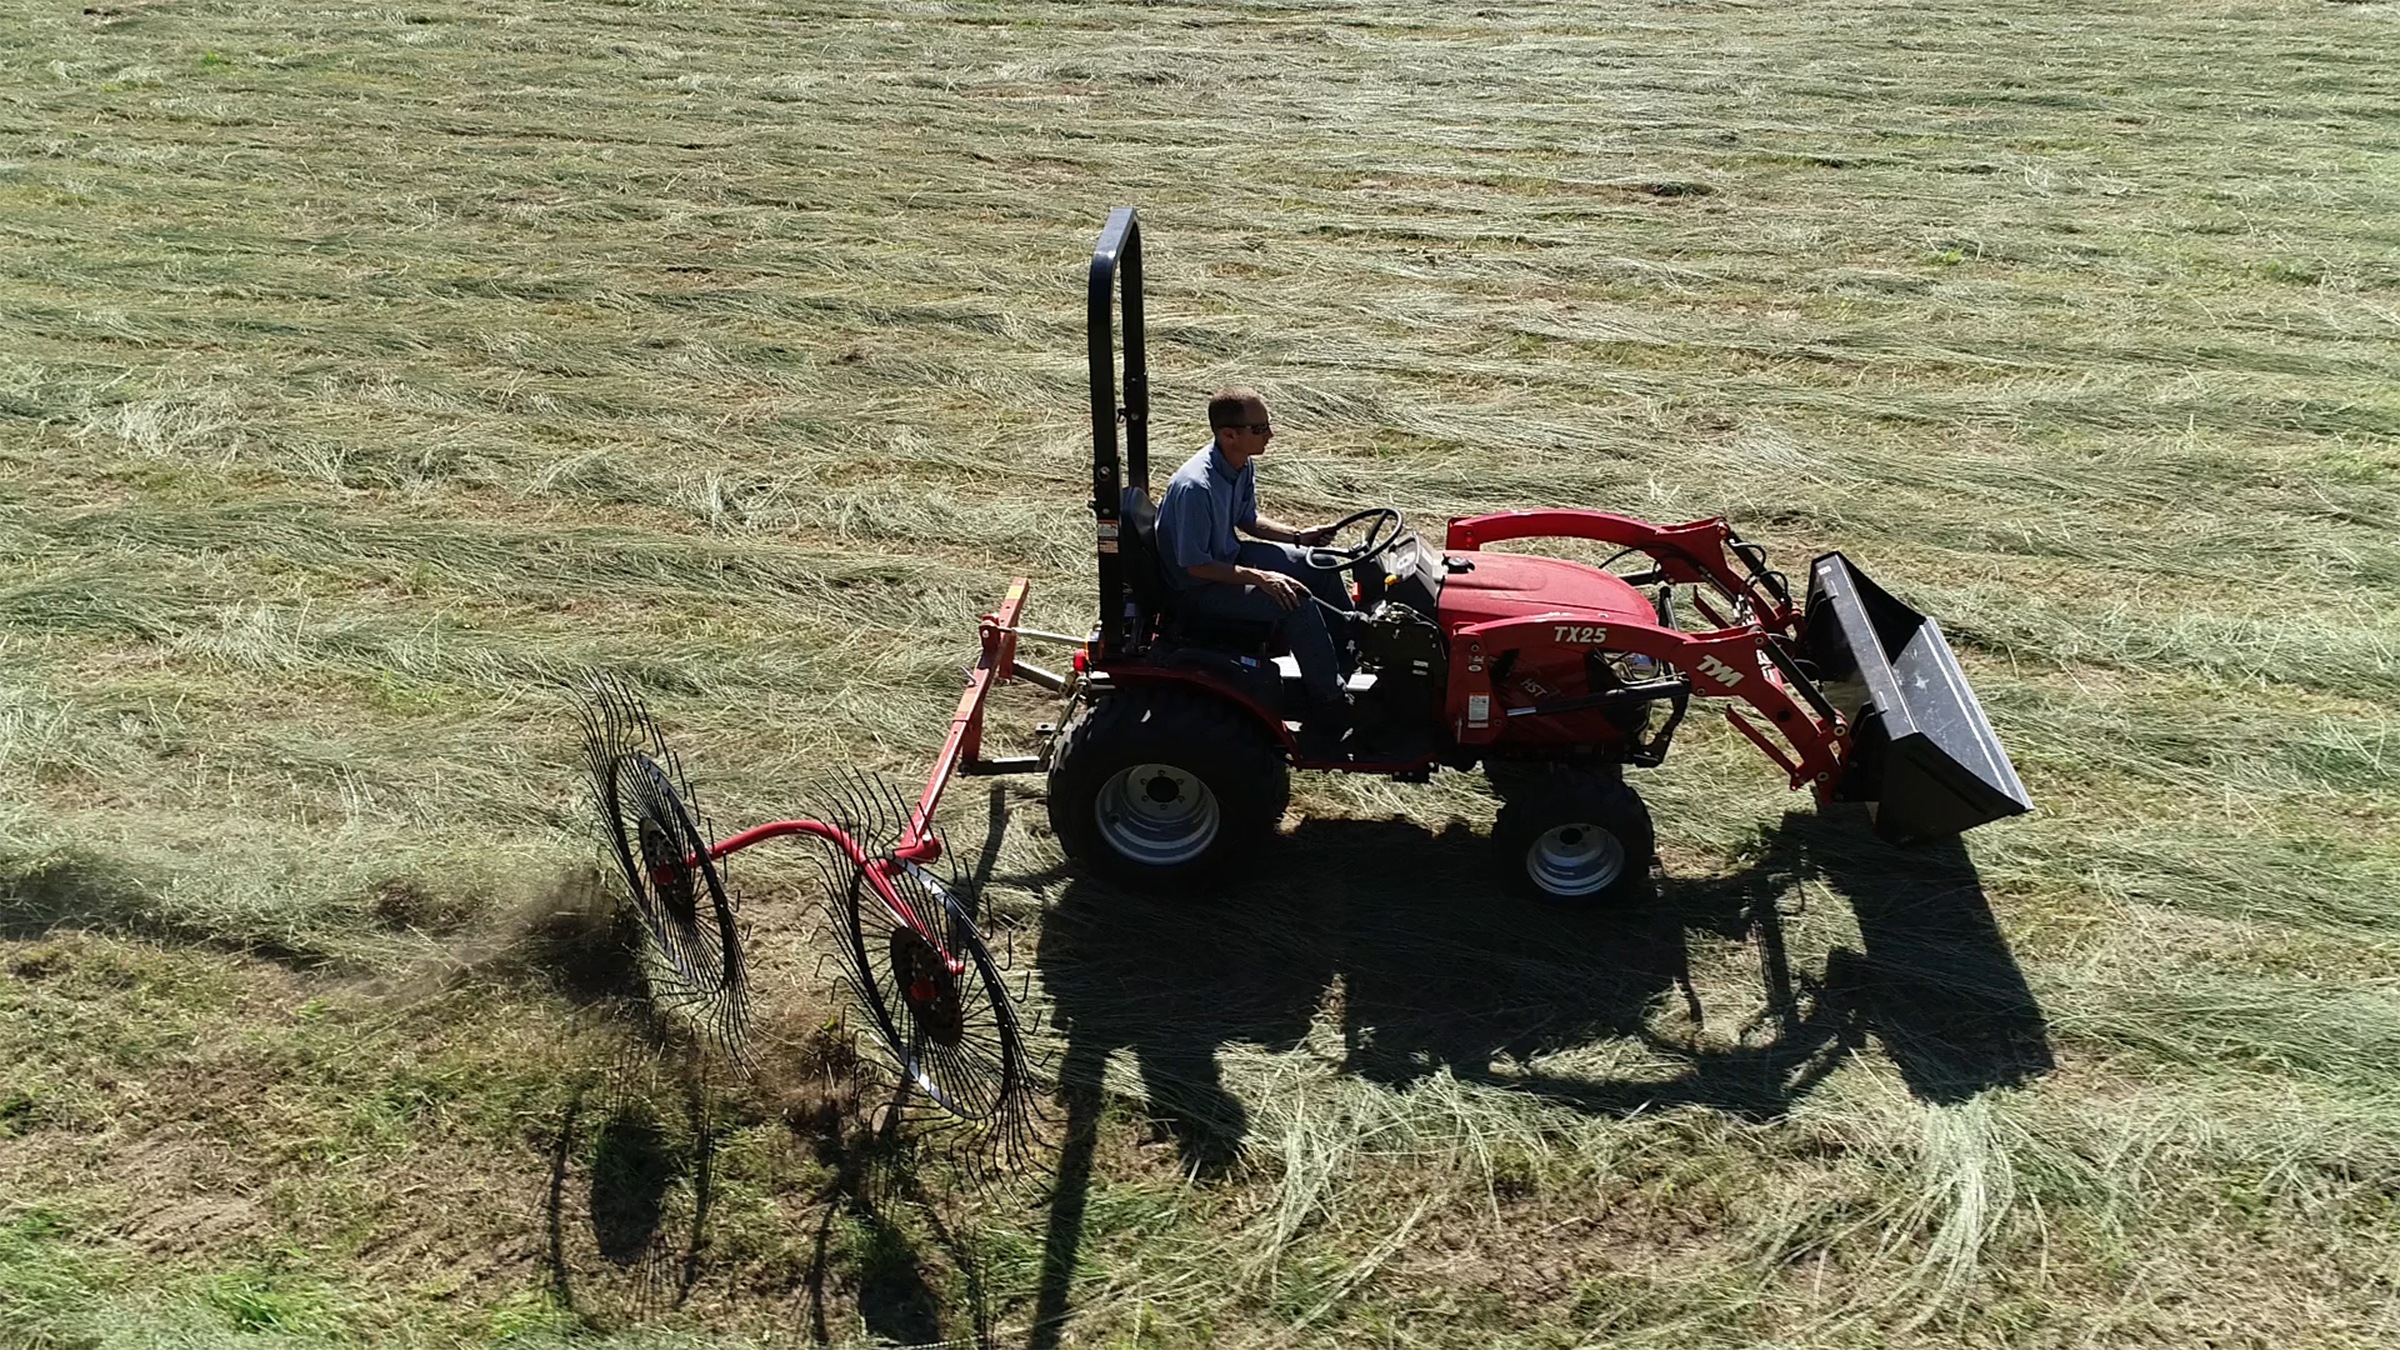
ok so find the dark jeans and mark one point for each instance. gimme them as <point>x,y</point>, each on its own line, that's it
<point>1304,626</point>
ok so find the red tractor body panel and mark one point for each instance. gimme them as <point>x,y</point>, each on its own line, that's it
<point>1575,608</point>
<point>1516,586</point>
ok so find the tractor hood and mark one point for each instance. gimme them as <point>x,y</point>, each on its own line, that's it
<point>1517,586</point>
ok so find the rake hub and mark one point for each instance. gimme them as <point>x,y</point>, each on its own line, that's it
<point>662,857</point>
<point>929,985</point>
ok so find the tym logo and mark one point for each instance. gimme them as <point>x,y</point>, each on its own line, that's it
<point>1720,672</point>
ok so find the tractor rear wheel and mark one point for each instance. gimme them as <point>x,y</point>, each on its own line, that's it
<point>1163,785</point>
<point>1575,835</point>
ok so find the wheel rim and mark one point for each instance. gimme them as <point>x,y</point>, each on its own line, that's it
<point>1575,859</point>
<point>1157,815</point>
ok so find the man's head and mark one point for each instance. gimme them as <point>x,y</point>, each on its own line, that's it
<point>1238,416</point>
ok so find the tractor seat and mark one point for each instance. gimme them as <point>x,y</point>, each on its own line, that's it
<point>1146,575</point>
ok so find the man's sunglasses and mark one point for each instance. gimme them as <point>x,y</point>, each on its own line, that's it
<point>1254,428</point>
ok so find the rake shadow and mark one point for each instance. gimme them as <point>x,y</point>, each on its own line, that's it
<point>646,1149</point>
<point>875,1175</point>
<point>90,894</point>
<point>1440,968</point>
<point>632,1187</point>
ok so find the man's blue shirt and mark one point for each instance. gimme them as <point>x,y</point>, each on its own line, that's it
<point>1204,503</point>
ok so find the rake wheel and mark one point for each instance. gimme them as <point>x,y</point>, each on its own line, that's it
<point>951,1032</point>
<point>931,992</point>
<point>682,916</point>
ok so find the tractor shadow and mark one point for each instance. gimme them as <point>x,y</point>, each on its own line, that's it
<point>1430,965</point>
<point>1930,981</point>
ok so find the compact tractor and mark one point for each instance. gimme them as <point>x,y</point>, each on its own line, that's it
<point>1177,734</point>
<point>1557,676</point>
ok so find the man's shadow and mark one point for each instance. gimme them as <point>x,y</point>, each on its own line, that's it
<point>1441,969</point>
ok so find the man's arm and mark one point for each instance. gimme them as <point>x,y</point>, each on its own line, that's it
<point>1287,591</point>
<point>1183,529</point>
<point>1269,528</point>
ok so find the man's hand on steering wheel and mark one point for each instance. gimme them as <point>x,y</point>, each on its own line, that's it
<point>1316,535</point>
<point>1384,529</point>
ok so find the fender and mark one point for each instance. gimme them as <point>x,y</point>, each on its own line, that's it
<point>1128,676</point>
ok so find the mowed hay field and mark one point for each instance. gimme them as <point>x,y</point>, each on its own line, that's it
<point>369,374</point>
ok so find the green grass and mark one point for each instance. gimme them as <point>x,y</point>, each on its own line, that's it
<point>368,374</point>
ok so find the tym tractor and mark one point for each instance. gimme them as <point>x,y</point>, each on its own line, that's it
<point>1173,755</point>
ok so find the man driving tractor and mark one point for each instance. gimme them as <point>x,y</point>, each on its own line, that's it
<point>1265,578</point>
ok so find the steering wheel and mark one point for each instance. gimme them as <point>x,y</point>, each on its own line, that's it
<point>1384,531</point>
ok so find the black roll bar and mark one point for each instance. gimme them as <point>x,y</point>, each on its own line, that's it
<point>1117,266</point>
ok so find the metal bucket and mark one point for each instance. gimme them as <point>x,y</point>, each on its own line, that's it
<point>1923,754</point>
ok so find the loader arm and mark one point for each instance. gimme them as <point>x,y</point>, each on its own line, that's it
<point>1862,697</point>
<point>1801,733</point>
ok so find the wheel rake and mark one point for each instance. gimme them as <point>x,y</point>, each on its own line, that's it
<point>688,939</point>
<point>932,995</point>
<point>935,998</point>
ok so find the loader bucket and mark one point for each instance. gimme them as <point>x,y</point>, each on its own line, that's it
<point>1923,753</point>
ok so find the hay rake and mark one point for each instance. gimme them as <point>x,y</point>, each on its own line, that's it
<point>932,994</point>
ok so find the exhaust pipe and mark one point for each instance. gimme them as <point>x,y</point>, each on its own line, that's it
<point>1924,757</point>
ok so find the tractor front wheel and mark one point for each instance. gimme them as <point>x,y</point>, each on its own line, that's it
<point>1163,786</point>
<point>1575,835</point>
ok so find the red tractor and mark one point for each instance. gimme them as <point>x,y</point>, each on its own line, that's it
<point>1177,740</point>
<point>1174,753</point>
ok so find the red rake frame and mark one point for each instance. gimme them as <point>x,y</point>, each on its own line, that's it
<point>945,1016</point>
